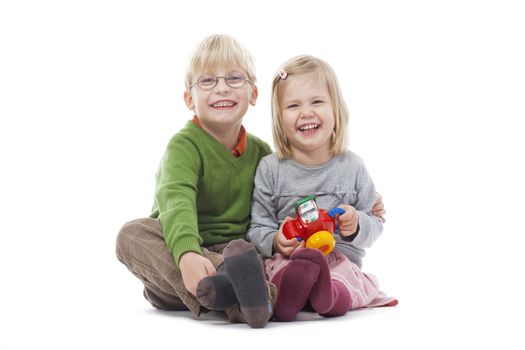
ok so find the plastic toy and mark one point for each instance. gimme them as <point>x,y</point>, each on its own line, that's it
<point>315,226</point>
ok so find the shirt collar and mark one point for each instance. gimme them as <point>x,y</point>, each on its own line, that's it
<point>238,150</point>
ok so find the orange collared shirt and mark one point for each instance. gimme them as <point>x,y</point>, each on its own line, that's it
<point>241,139</point>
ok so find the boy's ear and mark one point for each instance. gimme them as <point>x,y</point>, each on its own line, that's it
<point>189,100</point>
<point>255,93</point>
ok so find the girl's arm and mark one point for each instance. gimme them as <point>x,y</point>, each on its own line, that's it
<point>369,226</point>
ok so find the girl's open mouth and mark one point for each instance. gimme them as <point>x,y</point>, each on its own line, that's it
<point>309,129</point>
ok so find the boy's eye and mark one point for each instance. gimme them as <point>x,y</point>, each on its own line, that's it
<point>206,80</point>
<point>235,79</point>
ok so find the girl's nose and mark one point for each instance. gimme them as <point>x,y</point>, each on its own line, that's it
<point>305,112</point>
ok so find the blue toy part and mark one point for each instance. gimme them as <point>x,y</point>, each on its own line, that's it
<point>336,211</point>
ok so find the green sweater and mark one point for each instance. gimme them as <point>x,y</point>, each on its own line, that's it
<point>203,192</point>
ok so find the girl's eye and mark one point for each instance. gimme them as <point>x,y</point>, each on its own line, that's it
<point>291,106</point>
<point>317,102</point>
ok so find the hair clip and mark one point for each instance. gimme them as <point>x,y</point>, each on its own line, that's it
<point>283,74</point>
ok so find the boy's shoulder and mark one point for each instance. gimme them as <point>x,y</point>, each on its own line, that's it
<point>190,138</point>
<point>188,132</point>
<point>182,134</point>
<point>251,138</point>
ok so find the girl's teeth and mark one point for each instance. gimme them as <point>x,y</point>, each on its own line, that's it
<point>308,127</point>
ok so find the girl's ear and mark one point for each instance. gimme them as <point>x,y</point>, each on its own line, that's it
<point>189,100</point>
<point>254,95</point>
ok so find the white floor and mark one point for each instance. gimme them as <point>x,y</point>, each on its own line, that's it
<point>97,304</point>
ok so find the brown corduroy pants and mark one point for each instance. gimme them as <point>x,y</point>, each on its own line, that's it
<point>141,247</point>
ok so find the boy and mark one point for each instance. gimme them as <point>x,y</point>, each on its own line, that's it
<point>202,199</point>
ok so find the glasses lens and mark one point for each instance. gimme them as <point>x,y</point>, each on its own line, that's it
<point>206,82</point>
<point>235,80</point>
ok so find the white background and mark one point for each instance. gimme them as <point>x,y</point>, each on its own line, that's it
<point>91,91</point>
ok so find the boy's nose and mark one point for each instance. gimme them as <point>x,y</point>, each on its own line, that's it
<point>221,86</point>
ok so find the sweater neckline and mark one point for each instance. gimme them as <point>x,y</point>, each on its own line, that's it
<point>212,141</point>
<point>328,163</point>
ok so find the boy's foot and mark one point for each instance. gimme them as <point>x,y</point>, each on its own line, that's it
<point>246,273</point>
<point>216,292</point>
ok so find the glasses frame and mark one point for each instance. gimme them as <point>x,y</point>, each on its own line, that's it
<point>217,81</point>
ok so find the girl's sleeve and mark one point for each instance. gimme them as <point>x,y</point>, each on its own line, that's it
<point>370,226</point>
<point>264,223</point>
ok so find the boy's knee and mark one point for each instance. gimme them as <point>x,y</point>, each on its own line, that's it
<point>134,233</point>
<point>124,237</point>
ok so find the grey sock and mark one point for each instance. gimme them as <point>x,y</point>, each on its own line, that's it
<point>216,292</point>
<point>245,269</point>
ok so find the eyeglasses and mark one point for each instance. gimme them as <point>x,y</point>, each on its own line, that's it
<point>208,82</point>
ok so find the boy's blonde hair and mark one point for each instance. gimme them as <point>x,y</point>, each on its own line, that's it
<point>301,65</point>
<point>219,51</point>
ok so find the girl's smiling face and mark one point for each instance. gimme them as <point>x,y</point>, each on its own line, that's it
<point>307,117</point>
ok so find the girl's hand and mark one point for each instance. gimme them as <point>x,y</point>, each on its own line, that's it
<point>348,221</point>
<point>194,267</point>
<point>283,245</point>
<point>379,208</point>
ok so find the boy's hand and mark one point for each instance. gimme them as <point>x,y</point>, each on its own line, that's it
<point>283,245</point>
<point>379,209</point>
<point>194,267</point>
<point>348,221</point>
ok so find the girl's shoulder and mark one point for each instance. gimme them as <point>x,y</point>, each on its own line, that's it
<point>270,161</point>
<point>351,158</point>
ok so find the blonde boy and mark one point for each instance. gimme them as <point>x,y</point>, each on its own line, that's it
<point>192,244</point>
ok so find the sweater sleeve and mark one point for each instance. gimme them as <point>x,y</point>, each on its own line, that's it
<point>264,223</point>
<point>370,226</point>
<point>175,196</point>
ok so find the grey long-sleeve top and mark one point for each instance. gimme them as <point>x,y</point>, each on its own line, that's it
<point>342,180</point>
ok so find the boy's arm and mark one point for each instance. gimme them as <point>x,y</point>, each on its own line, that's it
<point>175,197</point>
<point>369,226</point>
<point>264,224</point>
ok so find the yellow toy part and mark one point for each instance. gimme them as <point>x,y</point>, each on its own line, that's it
<point>322,240</point>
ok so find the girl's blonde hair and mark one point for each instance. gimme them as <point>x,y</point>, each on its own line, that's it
<point>219,51</point>
<point>301,65</point>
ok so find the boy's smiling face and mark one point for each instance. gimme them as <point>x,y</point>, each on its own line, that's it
<point>221,106</point>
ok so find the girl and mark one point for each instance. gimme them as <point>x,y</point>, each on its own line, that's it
<point>310,122</point>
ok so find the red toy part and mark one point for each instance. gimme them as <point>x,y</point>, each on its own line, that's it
<point>313,225</point>
<point>297,229</point>
<point>316,234</point>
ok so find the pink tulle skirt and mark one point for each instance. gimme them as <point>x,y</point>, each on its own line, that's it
<point>363,287</point>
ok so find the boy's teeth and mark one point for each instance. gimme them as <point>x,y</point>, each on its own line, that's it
<point>223,104</point>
